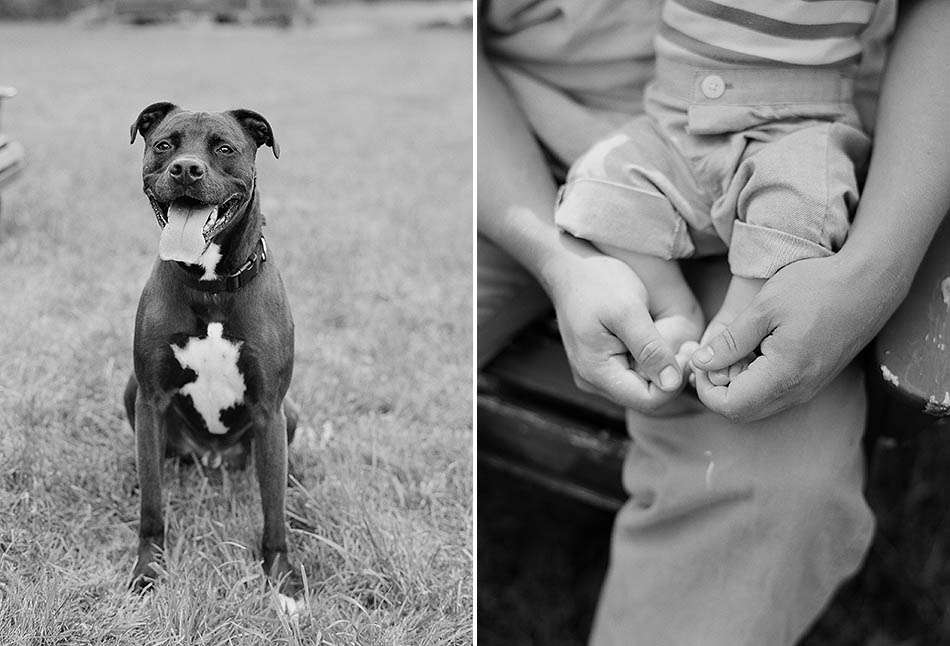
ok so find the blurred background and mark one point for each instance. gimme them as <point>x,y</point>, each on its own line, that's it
<point>283,13</point>
<point>369,219</point>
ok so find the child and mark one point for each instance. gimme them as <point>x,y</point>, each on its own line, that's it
<point>749,142</point>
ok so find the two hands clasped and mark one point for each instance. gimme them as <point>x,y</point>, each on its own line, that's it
<point>803,326</point>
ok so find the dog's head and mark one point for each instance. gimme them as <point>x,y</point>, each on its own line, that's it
<point>198,169</point>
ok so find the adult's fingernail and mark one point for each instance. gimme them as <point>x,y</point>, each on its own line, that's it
<point>669,378</point>
<point>703,355</point>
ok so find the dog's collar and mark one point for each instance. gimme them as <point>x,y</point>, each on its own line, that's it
<point>231,282</point>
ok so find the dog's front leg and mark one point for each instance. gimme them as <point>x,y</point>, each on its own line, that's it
<point>270,460</point>
<point>150,447</point>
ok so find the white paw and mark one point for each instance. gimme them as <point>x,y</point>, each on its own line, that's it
<point>288,605</point>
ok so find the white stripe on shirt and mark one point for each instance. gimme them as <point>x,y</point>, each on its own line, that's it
<point>811,44</point>
<point>765,32</point>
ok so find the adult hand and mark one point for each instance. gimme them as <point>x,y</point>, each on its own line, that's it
<point>604,321</point>
<point>806,324</point>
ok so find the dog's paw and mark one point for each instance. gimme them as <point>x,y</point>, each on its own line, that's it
<point>289,605</point>
<point>282,575</point>
<point>143,579</point>
<point>147,570</point>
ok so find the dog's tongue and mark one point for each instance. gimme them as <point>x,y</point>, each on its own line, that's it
<point>182,239</point>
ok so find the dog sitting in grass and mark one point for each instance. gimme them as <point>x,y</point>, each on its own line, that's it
<point>214,335</point>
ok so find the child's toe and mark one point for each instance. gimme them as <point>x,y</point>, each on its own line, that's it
<point>719,377</point>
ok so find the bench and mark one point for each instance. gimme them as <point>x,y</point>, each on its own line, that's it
<point>535,424</point>
<point>12,157</point>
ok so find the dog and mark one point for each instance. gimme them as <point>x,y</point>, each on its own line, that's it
<point>214,335</point>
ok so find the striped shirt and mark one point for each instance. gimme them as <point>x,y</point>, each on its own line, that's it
<point>822,33</point>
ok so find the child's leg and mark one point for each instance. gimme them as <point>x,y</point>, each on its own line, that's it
<point>633,191</point>
<point>739,295</point>
<point>674,308</point>
<point>790,199</point>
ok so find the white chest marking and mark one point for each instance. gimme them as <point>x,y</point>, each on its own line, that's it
<point>209,261</point>
<point>219,384</point>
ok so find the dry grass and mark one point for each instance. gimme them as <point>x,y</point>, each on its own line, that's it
<point>369,218</point>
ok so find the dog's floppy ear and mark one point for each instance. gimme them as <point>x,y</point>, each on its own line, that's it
<point>257,127</point>
<point>151,117</point>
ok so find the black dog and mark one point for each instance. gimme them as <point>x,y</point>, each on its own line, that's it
<point>214,336</point>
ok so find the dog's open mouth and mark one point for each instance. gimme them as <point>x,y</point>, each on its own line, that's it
<point>189,225</point>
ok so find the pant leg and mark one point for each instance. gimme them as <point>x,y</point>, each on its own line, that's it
<point>736,535</point>
<point>508,299</point>
<point>793,197</point>
<point>633,191</point>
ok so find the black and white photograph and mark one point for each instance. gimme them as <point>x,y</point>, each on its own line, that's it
<point>713,309</point>
<point>475,322</point>
<point>236,338</point>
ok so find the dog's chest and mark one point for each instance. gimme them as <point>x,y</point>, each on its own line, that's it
<point>219,384</point>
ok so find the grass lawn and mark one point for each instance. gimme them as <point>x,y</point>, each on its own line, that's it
<point>369,218</point>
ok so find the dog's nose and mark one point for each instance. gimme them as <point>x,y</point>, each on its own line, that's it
<point>187,170</point>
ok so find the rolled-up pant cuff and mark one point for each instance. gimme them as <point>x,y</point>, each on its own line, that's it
<point>623,216</point>
<point>759,252</point>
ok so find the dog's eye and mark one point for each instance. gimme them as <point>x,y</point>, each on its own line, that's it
<point>225,149</point>
<point>162,146</point>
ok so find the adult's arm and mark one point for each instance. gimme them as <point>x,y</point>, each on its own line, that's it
<point>600,302</point>
<point>814,316</point>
